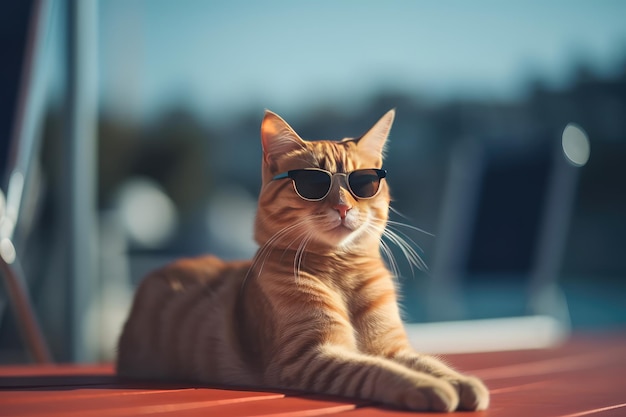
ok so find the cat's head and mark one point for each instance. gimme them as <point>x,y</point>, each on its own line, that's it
<point>333,212</point>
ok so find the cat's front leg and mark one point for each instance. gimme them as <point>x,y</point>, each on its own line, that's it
<point>336,370</point>
<point>472,392</point>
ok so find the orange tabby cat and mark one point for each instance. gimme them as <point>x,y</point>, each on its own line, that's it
<point>315,310</point>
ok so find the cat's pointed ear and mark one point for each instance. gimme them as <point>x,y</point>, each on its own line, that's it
<point>373,142</point>
<point>278,138</point>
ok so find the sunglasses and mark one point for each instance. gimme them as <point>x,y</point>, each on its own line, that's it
<point>313,184</point>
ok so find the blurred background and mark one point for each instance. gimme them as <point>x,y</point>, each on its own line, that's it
<point>138,143</point>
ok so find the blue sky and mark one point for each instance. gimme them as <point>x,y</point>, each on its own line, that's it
<point>221,57</point>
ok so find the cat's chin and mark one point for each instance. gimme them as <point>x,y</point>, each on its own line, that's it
<point>345,233</point>
<point>335,236</point>
<point>334,233</point>
<point>342,236</point>
<point>342,231</point>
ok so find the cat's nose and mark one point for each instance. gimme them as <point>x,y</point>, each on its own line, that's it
<point>342,209</point>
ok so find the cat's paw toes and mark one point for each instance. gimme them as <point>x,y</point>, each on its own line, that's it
<point>473,394</point>
<point>438,396</point>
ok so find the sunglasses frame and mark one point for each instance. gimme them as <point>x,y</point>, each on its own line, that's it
<point>381,173</point>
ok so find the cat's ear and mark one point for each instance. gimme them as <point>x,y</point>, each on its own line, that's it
<point>373,142</point>
<point>278,138</point>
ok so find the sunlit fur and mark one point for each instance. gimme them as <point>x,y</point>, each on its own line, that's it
<point>314,310</point>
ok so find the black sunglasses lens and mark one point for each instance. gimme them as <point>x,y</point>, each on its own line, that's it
<point>364,183</point>
<point>311,184</point>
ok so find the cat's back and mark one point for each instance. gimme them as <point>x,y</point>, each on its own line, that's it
<point>189,274</point>
<point>175,308</point>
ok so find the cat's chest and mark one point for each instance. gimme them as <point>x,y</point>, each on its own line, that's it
<point>320,293</point>
<point>359,290</point>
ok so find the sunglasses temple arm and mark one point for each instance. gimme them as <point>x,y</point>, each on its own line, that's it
<point>281,176</point>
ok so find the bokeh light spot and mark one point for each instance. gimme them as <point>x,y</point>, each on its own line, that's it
<point>576,145</point>
<point>148,214</point>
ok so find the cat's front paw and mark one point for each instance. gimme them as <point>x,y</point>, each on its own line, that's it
<point>472,392</point>
<point>436,395</point>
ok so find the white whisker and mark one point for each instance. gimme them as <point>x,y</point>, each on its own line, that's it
<point>404,237</point>
<point>376,231</point>
<point>411,255</point>
<point>264,251</point>
<point>394,223</point>
<point>297,232</point>
<point>391,260</point>
<point>408,226</point>
<point>405,243</point>
<point>300,254</point>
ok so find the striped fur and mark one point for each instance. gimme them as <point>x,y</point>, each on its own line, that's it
<point>315,309</point>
